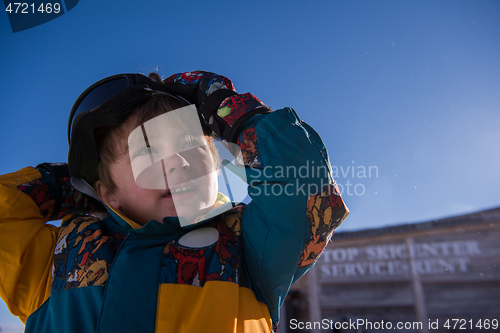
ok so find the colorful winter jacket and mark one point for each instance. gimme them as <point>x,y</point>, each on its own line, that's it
<point>109,274</point>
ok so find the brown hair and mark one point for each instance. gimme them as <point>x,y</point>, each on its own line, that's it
<point>108,138</point>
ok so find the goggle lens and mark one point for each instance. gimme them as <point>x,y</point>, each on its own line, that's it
<point>100,94</point>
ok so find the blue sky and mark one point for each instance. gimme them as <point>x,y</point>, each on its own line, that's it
<point>409,88</point>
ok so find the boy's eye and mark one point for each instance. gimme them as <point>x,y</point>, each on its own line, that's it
<point>191,143</point>
<point>145,151</point>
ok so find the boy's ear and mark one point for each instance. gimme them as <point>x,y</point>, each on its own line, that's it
<point>106,195</point>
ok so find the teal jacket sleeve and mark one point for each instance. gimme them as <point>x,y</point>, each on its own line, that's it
<point>295,207</point>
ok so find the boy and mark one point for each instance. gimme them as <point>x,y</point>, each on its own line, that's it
<point>168,254</point>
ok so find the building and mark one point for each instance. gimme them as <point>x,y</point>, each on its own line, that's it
<point>437,276</point>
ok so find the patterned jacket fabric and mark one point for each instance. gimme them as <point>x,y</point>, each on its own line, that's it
<point>108,274</point>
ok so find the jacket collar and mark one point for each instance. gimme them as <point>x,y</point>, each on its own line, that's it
<point>222,204</point>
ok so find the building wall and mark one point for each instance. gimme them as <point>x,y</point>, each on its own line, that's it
<point>425,273</point>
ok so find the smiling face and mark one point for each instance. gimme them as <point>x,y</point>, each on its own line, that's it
<point>164,167</point>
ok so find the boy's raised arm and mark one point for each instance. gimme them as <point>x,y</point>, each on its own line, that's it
<point>295,205</point>
<point>26,242</point>
<point>28,199</point>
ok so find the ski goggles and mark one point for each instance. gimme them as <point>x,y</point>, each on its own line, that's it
<point>111,94</point>
<point>105,103</point>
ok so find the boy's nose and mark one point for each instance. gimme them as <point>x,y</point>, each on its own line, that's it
<point>174,163</point>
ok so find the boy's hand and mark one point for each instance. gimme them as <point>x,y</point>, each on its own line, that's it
<point>196,86</point>
<point>216,99</point>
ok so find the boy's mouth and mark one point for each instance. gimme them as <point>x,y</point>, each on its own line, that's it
<point>176,190</point>
<point>182,189</point>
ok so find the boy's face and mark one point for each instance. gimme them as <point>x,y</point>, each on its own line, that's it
<point>165,170</point>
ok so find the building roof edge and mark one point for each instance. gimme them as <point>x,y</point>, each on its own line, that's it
<point>466,219</point>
